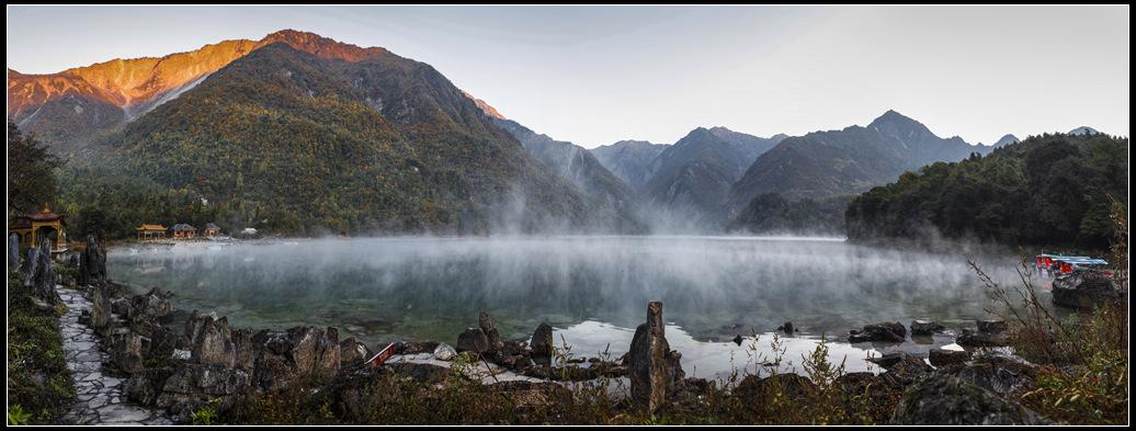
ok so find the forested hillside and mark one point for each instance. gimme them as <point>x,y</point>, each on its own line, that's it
<point>1045,190</point>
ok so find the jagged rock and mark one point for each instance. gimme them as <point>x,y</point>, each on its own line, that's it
<point>542,344</point>
<point>211,341</point>
<point>194,385</point>
<point>940,399</point>
<point>352,353</point>
<point>925,328</point>
<point>487,325</point>
<point>298,353</point>
<point>145,386</point>
<point>444,352</point>
<point>100,308</point>
<point>1084,289</point>
<point>890,359</point>
<point>92,263</point>
<point>128,350</point>
<point>654,367</point>
<point>890,332</point>
<point>473,340</point>
<point>151,306</point>
<point>943,357</point>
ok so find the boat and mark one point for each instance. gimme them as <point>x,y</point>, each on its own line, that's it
<point>1056,265</point>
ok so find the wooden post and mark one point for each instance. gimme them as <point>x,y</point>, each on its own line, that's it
<point>658,364</point>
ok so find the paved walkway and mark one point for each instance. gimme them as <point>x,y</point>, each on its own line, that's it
<point>99,397</point>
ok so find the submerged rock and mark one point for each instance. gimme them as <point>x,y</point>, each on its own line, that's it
<point>926,327</point>
<point>787,328</point>
<point>890,332</point>
<point>941,399</point>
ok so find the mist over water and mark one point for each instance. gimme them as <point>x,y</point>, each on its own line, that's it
<point>591,288</point>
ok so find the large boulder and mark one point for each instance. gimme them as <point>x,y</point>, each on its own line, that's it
<point>150,306</point>
<point>352,353</point>
<point>298,353</point>
<point>194,385</point>
<point>887,332</point>
<point>1084,289</point>
<point>213,342</point>
<point>941,399</point>
<point>999,373</point>
<point>473,340</point>
<point>543,347</point>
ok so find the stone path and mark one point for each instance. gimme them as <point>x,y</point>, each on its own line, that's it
<point>99,396</point>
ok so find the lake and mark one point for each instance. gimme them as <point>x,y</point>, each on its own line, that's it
<point>592,289</point>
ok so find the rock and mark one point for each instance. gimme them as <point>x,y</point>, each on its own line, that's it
<point>151,306</point>
<point>473,340</point>
<point>444,352</point>
<point>990,333</point>
<point>40,275</point>
<point>100,309</point>
<point>888,360</point>
<point>925,328</point>
<point>941,399</point>
<point>128,350</point>
<point>92,263</point>
<point>998,373</point>
<point>300,353</point>
<point>889,332</point>
<point>738,339</point>
<point>145,386</point>
<point>654,367</point>
<point>352,353</point>
<point>195,385</point>
<point>787,328</point>
<point>488,326</point>
<point>992,327</point>
<point>543,346</point>
<point>13,250</point>
<point>213,342</point>
<point>943,357</point>
<point>1085,289</point>
<point>423,373</point>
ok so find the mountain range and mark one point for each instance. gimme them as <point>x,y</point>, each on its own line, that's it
<point>300,133</point>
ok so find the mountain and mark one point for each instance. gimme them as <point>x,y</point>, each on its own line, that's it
<point>308,135</point>
<point>770,213</point>
<point>1083,130</point>
<point>629,160</point>
<point>693,176</point>
<point>1049,190</point>
<point>1006,140</point>
<point>69,109</point>
<point>848,161</point>
<point>578,166</point>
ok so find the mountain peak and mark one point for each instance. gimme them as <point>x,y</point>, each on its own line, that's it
<point>1008,139</point>
<point>484,107</point>
<point>320,46</point>
<point>1083,131</point>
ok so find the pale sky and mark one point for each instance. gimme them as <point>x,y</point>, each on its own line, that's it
<point>594,75</point>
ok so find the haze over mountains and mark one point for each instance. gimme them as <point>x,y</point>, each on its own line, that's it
<point>303,133</point>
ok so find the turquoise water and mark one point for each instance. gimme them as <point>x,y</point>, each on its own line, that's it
<point>593,289</point>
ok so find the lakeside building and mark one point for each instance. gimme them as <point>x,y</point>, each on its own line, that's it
<point>211,230</point>
<point>183,231</point>
<point>151,231</point>
<point>31,228</point>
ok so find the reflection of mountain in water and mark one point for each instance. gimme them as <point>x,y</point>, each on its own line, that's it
<point>433,288</point>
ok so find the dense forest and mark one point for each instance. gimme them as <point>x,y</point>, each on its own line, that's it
<point>1048,190</point>
<point>773,213</point>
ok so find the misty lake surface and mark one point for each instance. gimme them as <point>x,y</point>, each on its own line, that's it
<point>592,289</point>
